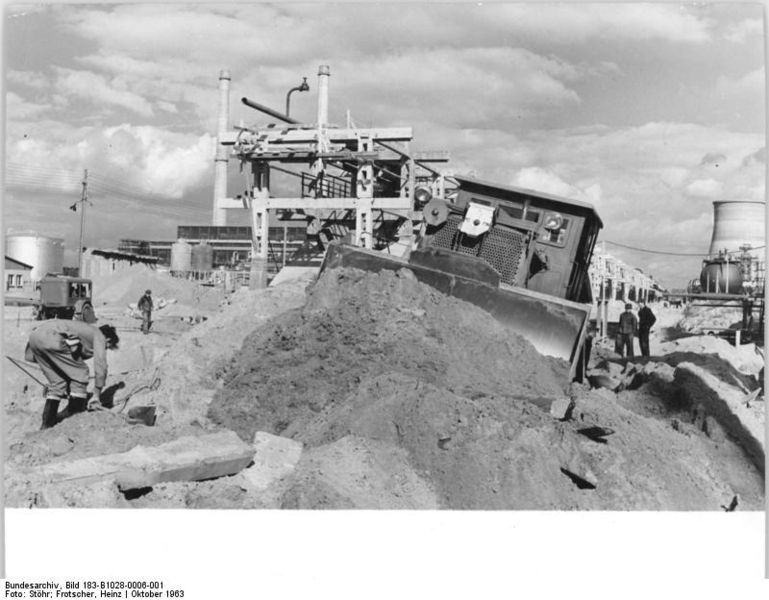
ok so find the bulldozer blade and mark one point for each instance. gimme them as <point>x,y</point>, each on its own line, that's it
<point>554,326</point>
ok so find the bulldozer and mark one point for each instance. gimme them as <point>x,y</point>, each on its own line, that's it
<point>519,254</point>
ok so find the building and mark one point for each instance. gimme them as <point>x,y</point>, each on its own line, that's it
<point>231,244</point>
<point>104,262</point>
<point>18,279</point>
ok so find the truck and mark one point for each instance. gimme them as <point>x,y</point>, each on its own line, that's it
<point>64,297</point>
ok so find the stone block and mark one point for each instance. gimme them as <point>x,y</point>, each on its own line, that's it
<point>190,458</point>
<point>275,458</point>
<point>725,404</point>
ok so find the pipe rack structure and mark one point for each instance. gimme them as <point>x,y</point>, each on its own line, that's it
<point>360,182</point>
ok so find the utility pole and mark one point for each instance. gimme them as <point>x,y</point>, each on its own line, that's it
<point>83,200</point>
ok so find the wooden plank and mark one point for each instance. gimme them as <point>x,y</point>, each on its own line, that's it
<point>190,458</point>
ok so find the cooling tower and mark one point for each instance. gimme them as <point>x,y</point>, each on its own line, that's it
<point>738,223</point>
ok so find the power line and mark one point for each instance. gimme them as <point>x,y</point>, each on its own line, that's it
<point>666,253</point>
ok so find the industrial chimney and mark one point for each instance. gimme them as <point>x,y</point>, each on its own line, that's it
<point>220,162</point>
<point>737,223</point>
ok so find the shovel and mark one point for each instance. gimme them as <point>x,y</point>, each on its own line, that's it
<point>138,415</point>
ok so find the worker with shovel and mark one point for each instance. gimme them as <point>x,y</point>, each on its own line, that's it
<point>60,347</point>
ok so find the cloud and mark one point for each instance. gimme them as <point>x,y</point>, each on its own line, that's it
<point>544,180</point>
<point>756,158</point>
<point>127,159</point>
<point>443,85</point>
<point>19,109</point>
<point>568,24</point>
<point>745,29</point>
<point>750,85</point>
<point>28,79</point>
<point>705,188</point>
<point>98,90</point>
<point>713,159</point>
<point>167,106</point>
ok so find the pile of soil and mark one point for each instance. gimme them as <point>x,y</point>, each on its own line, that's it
<point>127,285</point>
<point>358,325</point>
<point>401,398</point>
<point>701,317</point>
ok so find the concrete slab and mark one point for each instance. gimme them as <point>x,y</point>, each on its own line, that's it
<point>275,458</point>
<point>726,404</point>
<point>191,458</point>
<point>294,274</point>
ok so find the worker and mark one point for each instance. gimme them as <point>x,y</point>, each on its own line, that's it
<point>628,327</point>
<point>646,320</point>
<point>145,306</point>
<point>60,347</point>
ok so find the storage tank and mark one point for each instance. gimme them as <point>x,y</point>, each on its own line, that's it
<point>738,223</point>
<point>202,257</point>
<point>720,276</point>
<point>181,256</point>
<point>44,254</point>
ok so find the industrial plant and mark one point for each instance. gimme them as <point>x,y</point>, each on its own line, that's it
<point>390,334</point>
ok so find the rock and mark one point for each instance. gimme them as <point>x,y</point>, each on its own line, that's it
<point>275,458</point>
<point>699,417</point>
<point>713,430</point>
<point>603,381</point>
<point>61,445</point>
<point>726,405</point>
<point>562,408</point>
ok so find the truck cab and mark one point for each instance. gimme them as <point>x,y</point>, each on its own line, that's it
<point>534,240</point>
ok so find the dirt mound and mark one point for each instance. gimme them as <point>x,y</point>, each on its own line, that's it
<point>357,325</point>
<point>89,434</point>
<point>698,317</point>
<point>127,285</point>
<point>488,452</point>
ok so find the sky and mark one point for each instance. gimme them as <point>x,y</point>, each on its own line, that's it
<point>648,111</point>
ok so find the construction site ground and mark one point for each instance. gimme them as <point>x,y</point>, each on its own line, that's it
<point>365,391</point>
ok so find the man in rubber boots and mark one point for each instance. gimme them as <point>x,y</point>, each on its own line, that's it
<point>60,347</point>
<point>628,326</point>
<point>646,319</point>
<point>145,306</point>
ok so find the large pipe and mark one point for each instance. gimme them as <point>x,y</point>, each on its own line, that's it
<point>220,163</point>
<point>268,111</point>
<point>303,87</point>
<point>738,223</point>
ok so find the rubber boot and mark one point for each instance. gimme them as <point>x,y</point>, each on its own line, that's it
<point>50,412</point>
<point>76,404</point>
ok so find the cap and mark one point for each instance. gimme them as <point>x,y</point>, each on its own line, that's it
<point>628,306</point>
<point>148,292</point>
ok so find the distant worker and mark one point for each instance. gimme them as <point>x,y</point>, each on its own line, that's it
<point>60,347</point>
<point>145,306</point>
<point>628,327</point>
<point>646,320</point>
